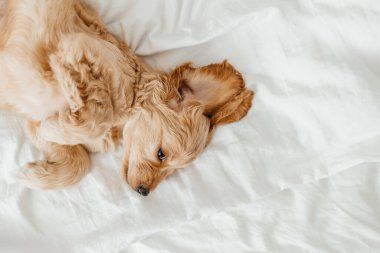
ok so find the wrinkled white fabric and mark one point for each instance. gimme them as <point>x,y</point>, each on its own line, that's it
<point>299,174</point>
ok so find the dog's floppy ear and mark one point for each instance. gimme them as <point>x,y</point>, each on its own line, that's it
<point>220,88</point>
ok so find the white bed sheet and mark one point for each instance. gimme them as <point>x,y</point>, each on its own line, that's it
<point>299,174</point>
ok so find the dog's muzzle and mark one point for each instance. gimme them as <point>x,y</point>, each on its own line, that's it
<point>142,190</point>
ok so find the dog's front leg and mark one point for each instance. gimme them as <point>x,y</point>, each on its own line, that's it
<point>93,22</point>
<point>63,166</point>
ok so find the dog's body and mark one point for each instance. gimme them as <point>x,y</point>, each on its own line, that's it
<point>81,89</point>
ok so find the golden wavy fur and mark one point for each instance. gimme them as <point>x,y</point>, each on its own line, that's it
<point>81,89</point>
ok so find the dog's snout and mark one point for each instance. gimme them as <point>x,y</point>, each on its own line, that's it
<point>142,190</point>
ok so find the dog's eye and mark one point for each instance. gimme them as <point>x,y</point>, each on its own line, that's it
<point>160,154</point>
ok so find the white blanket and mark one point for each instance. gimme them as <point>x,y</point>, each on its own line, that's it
<point>299,174</point>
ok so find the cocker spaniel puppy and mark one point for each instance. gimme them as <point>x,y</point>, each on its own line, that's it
<point>81,90</point>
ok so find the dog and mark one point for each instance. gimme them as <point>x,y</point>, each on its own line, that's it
<point>81,89</point>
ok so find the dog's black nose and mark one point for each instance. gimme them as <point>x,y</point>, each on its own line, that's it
<point>143,191</point>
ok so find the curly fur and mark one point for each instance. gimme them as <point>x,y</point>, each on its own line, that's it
<point>81,89</point>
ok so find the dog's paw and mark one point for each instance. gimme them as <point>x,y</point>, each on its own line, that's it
<point>33,175</point>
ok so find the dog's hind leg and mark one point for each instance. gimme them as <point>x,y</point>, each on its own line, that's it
<point>64,165</point>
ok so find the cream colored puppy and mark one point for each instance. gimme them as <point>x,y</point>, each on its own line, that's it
<point>82,90</point>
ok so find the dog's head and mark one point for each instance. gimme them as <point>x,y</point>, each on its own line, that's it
<point>174,118</point>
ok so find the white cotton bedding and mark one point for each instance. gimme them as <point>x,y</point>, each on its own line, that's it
<point>301,173</point>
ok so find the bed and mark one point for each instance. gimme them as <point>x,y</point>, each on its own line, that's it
<point>300,173</point>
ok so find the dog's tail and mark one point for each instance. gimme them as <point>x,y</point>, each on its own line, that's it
<point>64,166</point>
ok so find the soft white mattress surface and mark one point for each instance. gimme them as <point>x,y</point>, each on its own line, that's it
<point>301,173</point>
